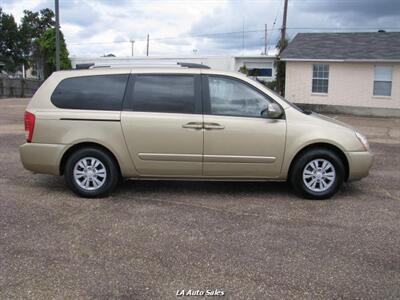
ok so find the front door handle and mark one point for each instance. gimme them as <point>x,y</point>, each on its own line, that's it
<point>210,126</point>
<point>193,125</point>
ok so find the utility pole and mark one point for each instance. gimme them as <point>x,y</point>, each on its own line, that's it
<point>57,35</point>
<point>133,43</point>
<point>147,52</point>
<point>283,30</point>
<point>280,65</point>
<point>265,40</point>
<point>243,39</point>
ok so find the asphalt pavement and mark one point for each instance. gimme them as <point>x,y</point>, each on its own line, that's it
<point>153,239</point>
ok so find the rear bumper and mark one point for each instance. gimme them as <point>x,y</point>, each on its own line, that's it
<point>42,158</point>
<point>359,164</point>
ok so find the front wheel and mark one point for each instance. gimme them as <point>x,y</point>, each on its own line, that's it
<point>91,172</point>
<point>317,174</point>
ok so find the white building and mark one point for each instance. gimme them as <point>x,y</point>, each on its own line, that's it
<point>358,69</point>
<point>260,66</point>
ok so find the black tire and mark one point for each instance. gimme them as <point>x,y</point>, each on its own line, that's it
<point>296,174</point>
<point>111,180</point>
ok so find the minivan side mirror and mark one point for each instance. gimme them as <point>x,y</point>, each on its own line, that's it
<point>273,111</point>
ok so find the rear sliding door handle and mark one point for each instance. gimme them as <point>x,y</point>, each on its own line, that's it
<point>193,125</point>
<point>210,126</point>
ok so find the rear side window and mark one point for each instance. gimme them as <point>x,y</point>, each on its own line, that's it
<point>164,93</point>
<point>99,92</point>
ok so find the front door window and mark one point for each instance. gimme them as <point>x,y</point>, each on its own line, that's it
<point>229,97</point>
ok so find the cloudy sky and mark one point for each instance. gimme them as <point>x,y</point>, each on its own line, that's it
<point>204,27</point>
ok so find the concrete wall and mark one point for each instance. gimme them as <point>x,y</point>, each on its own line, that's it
<point>350,84</point>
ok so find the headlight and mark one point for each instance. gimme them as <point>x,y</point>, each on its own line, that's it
<point>363,140</point>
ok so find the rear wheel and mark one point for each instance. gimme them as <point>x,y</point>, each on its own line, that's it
<point>91,172</point>
<point>317,174</point>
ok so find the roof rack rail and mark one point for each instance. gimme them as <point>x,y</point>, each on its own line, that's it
<point>84,66</point>
<point>192,65</point>
<point>141,64</point>
<point>100,66</point>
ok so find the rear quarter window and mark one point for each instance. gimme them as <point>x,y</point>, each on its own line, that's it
<point>98,92</point>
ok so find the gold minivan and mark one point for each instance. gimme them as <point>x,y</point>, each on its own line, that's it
<point>98,125</point>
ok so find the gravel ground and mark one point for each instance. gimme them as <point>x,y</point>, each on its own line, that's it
<point>150,238</point>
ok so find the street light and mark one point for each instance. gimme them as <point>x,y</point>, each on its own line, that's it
<point>133,43</point>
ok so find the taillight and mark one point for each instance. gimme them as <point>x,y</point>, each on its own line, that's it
<point>29,125</point>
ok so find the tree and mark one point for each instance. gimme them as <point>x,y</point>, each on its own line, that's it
<point>47,50</point>
<point>10,52</point>
<point>32,43</point>
<point>243,69</point>
<point>280,67</point>
<point>33,26</point>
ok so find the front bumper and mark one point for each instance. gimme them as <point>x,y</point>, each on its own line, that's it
<point>42,158</point>
<point>359,164</point>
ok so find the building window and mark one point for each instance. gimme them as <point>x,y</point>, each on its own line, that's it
<point>262,72</point>
<point>320,78</point>
<point>383,81</point>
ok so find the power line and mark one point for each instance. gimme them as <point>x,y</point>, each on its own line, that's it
<point>174,37</point>
<point>273,24</point>
<point>239,33</point>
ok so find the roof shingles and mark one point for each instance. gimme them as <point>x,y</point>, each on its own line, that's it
<point>344,46</point>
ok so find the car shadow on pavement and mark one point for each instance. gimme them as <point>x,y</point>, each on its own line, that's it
<point>135,189</point>
<point>216,190</point>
